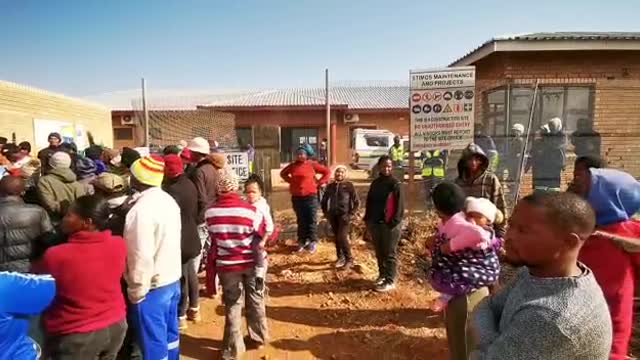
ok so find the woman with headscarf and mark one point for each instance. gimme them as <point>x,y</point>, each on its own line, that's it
<point>613,252</point>
<point>303,186</point>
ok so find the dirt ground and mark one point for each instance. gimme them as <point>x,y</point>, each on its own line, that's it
<point>316,312</point>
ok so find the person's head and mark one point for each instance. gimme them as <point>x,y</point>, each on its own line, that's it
<point>385,165</point>
<point>110,185</point>
<point>199,148</point>
<point>11,186</point>
<point>60,160</point>
<point>54,139</point>
<point>584,125</point>
<point>12,152</point>
<point>25,147</point>
<point>340,173</point>
<point>227,182</point>
<point>129,156</point>
<point>86,213</point>
<point>301,154</point>
<point>93,152</point>
<point>473,161</point>
<point>253,188</point>
<point>547,230</point>
<point>517,130</point>
<point>147,172</point>
<point>482,211</point>
<point>30,169</point>
<point>448,199</point>
<point>171,149</point>
<point>187,156</point>
<point>396,140</point>
<point>555,125</point>
<point>218,160</point>
<point>614,195</point>
<point>173,166</point>
<point>70,147</point>
<point>85,168</point>
<point>3,141</point>
<point>582,173</point>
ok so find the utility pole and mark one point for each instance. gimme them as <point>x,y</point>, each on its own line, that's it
<point>146,113</point>
<point>328,110</point>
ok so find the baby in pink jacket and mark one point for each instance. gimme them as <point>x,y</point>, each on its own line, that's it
<point>471,228</point>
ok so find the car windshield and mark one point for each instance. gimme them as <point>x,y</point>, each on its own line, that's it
<point>377,140</point>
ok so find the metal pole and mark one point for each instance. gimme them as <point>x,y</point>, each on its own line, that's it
<point>526,143</point>
<point>146,113</point>
<point>328,110</point>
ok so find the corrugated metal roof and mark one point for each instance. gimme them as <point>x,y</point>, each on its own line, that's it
<point>356,98</point>
<point>554,36</point>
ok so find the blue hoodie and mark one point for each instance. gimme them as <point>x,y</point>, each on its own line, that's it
<point>21,296</point>
<point>614,195</point>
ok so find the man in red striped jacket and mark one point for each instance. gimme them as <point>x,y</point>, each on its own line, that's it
<point>233,227</point>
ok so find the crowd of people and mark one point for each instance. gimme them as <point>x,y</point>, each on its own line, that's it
<point>105,247</point>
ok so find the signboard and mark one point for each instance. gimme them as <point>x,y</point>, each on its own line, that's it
<point>441,104</point>
<point>239,162</point>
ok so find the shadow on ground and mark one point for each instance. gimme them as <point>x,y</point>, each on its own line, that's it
<point>367,344</point>
<point>199,348</point>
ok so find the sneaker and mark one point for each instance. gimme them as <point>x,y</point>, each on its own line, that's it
<point>386,286</point>
<point>300,249</point>
<point>312,247</point>
<point>340,263</point>
<point>182,325</point>
<point>379,281</point>
<point>194,314</point>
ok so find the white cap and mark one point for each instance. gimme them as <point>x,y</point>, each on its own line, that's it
<point>199,145</point>
<point>481,206</point>
<point>518,127</point>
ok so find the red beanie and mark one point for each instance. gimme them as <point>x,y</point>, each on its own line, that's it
<point>173,166</point>
<point>185,155</point>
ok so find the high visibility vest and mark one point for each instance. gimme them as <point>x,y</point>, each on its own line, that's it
<point>396,153</point>
<point>433,164</point>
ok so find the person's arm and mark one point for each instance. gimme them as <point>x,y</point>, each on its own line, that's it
<point>285,173</point>
<point>524,339</point>
<point>324,171</point>
<point>268,220</point>
<point>138,232</point>
<point>398,194</point>
<point>200,181</point>
<point>25,294</point>
<point>46,195</point>
<point>355,200</point>
<point>367,206</point>
<point>497,197</point>
<point>45,223</point>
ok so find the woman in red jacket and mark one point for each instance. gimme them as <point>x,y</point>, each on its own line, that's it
<point>612,252</point>
<point>303,186</point>
<point>87,318</point>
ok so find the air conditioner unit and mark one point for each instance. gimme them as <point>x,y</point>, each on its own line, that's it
<point>127,120</point>
<point>351,118</point>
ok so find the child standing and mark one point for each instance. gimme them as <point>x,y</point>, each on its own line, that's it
<point>253,189</point>
<point>464,263</point>
<point>339,203</point>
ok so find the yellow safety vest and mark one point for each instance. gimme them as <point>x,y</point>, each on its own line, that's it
<point>397,153</point>
<point>429,170</point>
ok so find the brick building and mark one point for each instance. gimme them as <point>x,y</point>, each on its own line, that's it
<point>594,76</point>
<point>30,113</point>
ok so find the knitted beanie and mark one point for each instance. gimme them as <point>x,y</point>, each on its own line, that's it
<point>227,181</point>
<point>148,170</point>
<point>481,206</point>
<point>173,166</point>
<point>60,160</point>
<point>85,168</point>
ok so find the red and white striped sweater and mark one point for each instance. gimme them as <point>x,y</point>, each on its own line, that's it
<point>233,227</point>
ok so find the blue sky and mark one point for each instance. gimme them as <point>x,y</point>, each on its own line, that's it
<point>89,47</point>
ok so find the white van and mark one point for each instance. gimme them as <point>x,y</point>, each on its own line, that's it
<point>368,146</point>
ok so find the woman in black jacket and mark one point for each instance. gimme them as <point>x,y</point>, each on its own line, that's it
<point>183,190</point>
<point>339,203</point>
<point>383,215</point>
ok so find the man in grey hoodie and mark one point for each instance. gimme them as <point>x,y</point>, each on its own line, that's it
<point>554,308</point>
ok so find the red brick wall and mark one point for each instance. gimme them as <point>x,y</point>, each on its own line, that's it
<point>615,76</point>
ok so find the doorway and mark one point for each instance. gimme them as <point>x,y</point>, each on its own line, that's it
<point>292,138</point>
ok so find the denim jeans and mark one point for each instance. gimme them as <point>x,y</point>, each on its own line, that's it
<point>306,209</point>
<point>189,287</point>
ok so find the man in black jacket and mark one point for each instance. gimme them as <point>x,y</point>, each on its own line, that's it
<point>184,192</point>
<point>22,226</point>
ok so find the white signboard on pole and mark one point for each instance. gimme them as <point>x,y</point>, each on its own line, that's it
<point>239,162</point>
<point>442,108</point>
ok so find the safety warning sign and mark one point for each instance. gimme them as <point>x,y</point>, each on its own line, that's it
<point>442,108</point>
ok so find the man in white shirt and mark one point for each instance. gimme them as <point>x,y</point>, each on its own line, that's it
<point>152,233</point>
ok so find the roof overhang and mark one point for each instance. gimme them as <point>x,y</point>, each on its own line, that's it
<point>272,108</point>
<point>544,45</point>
